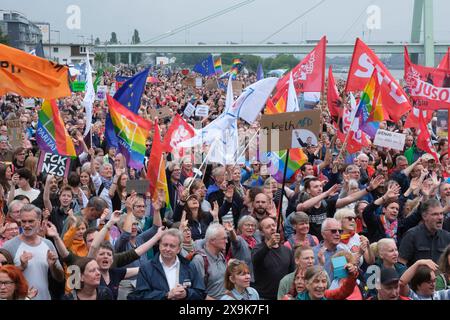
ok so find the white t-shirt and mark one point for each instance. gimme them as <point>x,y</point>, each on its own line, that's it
<point>31,194</point>
<point>172,273</point>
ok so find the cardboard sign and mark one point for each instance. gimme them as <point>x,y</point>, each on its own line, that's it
<point>140,186</point>
<point>211,84</point>
<point>189,82</point>
<point>289,130</point>
<point>389,139</point>
<point>189,110</point>
<point>112,90</point>
<point>29,103</point>
<point>78,86</point>
<point>15,133</point>
<point>198,82</point>
<point>101,93</point>
<point>238,86</point>
<point>442,123</point>
<point>54,164</point>
<point>202,111</point>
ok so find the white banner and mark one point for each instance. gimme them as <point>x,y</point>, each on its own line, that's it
<point>189,110</point>
<point>389,139</point>
<point>202,111</point>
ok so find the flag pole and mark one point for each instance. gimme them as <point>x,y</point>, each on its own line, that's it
<point>201,166</point>
<point>280,202</point>
<point>247,146</point>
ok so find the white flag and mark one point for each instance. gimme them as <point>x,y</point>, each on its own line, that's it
<point>250,103</point>
<point>292,99</point>
<point>230,96</point>
<point>224,149</point>
<point>89,97</point>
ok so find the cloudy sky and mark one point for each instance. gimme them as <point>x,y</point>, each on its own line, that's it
<point>254,22</point>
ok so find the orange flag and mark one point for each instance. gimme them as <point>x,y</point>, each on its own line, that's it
<point>31,76</point>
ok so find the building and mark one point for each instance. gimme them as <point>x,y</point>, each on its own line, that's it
<point>68,53</point>
<point>22,33</point>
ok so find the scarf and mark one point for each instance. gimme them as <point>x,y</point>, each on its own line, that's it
<point>107,183</point>
<point>390,228</point>
<point>345,238</point>
<point>251,241</point>
<point>189,247</point>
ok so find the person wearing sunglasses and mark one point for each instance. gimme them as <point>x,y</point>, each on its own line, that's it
<point>331,244</point>
<point>355,243</point>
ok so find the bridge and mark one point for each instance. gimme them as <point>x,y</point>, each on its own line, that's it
<point>423,16</point>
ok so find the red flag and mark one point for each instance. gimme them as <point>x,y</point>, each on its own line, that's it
<point>445,63</point>
<point>413,117</point>
<point>424,139</point>
<point>333,98</point>
<point>356,140</point>
<point>309,74</point>
<point>363,63</point>
<point>429,87</point>
<point>178,132</point>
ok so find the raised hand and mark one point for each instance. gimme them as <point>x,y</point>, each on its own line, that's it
<point>215,211</point>
<point>32,293</point>
<point>52,257</point>
<point>352,269</point>
<point>51,230</point>
<point>333,190</point>
<point>375,183</point>
<point>115,217</point>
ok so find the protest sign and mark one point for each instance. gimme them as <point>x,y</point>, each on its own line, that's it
<point>189,110</point>
<point>198,82</point>
<point>15,133</point>
<point>78,86</point>
<point>202,111</point>
<point>389,139</point>
<point>237,87</point>
<point>53,164</point>
<point>140,186</point>
<point>101,93</point>
<point>161,113</point>
<point>211,84</point>
<point>189,82</point>
<point>112,90</point>
<point>442,123</point>
<point>289,130</point>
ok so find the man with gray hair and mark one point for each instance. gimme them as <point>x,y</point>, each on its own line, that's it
<point>35,255</point>
<point>365,169</point>
<point>215,191</point>
<point>331,233</point>
<point>169,276</point>
<point>210,261</point>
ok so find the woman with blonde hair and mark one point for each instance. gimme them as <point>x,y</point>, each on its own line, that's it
<point>237,282</point>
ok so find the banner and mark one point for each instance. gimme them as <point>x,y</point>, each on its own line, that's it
<point>78,86</point>
<point>202,111</point>
<point>53,164</point>
<point>296,130</point>
<point>388,139</point>
<point>364,61</point>
<point>429,87</point>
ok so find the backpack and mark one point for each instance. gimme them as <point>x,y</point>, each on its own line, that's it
<point>191,256</point>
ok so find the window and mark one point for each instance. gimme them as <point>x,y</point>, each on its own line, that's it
<point>55,49</point>
<point>82,49</point>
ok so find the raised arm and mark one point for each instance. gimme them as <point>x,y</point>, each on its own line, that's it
<point>313,201</point>
<point>146,246</point>
<point>100,236</point>
<point>46,195</point>
<point>357,195</point>
<point>52,232</point>
<point>406,277</point>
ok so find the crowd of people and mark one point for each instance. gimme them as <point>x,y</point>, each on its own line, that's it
<point>369,226</point>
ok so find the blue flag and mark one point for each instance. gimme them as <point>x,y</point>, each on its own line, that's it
<point>128,95</point>
<point>259,73</point>
<point>205,67</point>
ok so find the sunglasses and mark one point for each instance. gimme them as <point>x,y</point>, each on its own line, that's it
<point>350,218</point>
<point>334,231</point>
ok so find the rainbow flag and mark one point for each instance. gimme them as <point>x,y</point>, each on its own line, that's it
<point>370,110</point>
<point>278,159</point>
<point>218,65</point>
<point>51,134</point>
<point>156,171</point>
<point>236,67</point>
<point>131,130</point>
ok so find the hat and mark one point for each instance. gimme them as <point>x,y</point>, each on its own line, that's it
<point>388,276</point>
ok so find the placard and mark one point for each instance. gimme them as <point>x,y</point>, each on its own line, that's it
<point>15,133</point>
<point>198,82</point>
<point>78,86</point>
<point>238,86</point>
<point>189,110</point>
<point>442,123</point>
<point>389,139</point>
<point>161,113</point>
<point>53,164</point>
<point>189,82</point>
<point>289,130</point>
<point>140,186</point>
<point>202,111</point>
<point>101,93</point>
<point>112,90</point>
<point>211,84</point>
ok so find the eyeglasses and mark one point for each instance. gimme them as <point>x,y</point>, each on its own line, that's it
<point>350,218</point>
<point>334,231</point>
<point>3,263</point>
<point>6,283</point>
<point>139,206</point>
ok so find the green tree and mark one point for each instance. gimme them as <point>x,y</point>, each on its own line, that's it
<point>135,39</point>
<point>3,38</point>
<point>284,61</point>
<point>100,58</point>
<point>113,39</point>
<point>97,41</point>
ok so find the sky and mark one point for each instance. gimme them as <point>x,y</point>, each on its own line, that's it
<point>341,21</point>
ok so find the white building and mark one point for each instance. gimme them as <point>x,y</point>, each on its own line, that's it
<point>68,53</point>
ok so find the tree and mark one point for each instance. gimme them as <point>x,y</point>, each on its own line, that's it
<point>135,39</point>
<point>3,38</point>
<point>113,39</point>
<point>99,58</point>
<point>97,41</point>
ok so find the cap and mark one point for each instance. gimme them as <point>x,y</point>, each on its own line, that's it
<point>389,275</point>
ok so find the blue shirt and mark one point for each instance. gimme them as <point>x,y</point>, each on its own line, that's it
<point>248,294</point>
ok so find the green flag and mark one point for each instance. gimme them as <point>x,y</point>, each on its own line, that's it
<point>98,79</point>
